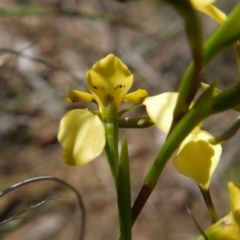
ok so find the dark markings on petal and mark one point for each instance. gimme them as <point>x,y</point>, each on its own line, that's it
<point>109,98</point>
<point>119,86</point>
<point>73,99</point>
<point>95,87</point>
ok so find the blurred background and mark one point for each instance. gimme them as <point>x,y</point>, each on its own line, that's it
<point>46,47</point>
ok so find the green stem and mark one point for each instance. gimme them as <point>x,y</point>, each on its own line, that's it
<point>111,147</point>
<point>124,194</point>
<point>237,53</point>
<point>140,201</point>
<point>190,120</point>
<point>189,86</point>
<point>170,145</point>
<point>208,201</point>
<point>202,109</point>
<point>120,170</point>
<point>229,133</point>
<point>135,122</point>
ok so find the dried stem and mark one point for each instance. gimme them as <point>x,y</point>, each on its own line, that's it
<point>59,180</point>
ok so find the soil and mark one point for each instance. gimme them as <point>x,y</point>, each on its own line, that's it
<point>150,39</point>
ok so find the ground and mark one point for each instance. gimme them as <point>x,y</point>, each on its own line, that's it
<point>150,39</point>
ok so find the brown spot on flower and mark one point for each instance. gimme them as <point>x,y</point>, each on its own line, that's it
<point>109,98</point>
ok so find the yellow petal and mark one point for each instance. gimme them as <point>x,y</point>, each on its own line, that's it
<point>214,13</point>
<point>210,10</point>
<point>195,135</point>
<point>78,96</point>
<point>160,109</point>
<point>137,96</point>
<point>109,80</point>
<point>234,191</point>
<point>197,158</point>
<point>227,228</point>
<point>82,135</point>
<point>201,3</point>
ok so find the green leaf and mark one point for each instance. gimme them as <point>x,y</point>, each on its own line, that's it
<point>124,194</point>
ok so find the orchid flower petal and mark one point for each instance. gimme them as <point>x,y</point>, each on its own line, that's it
<point>224,229</point>
<point>206,7</point>
<point>201,3</point>
<point>137,96</point>
<point>108,81</point>
<point>234,190</point>
<point>160,109</point>
<point>227,228</point>
<point>197,158</point>
<point>82,135</point>
<point>78,96</point>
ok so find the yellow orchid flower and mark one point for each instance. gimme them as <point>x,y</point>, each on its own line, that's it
<point>206,7</point>
<point>81,132</point>
<point>196,157</point>
<point>227,228</point>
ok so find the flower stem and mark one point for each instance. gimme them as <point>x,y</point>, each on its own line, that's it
<point>190,120</point>
<point>237,53</point>
<point>120,172</point>
<point>124,194</point>
<point>140,201</point>
<point>135,122</point>
<point>208,201</point>
<point>111,147</point>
